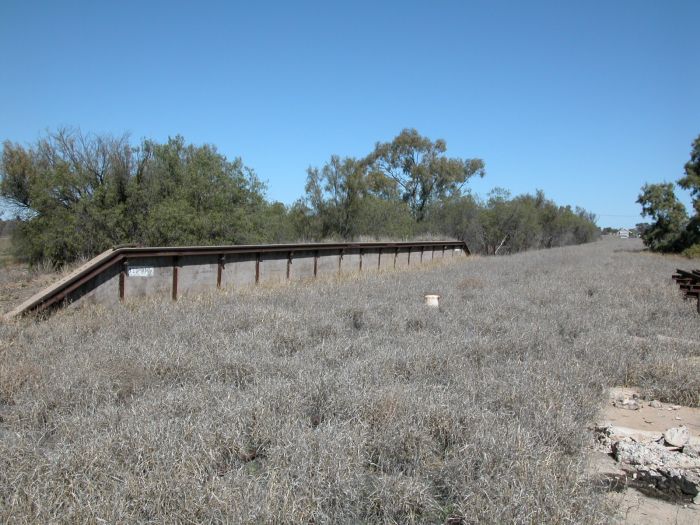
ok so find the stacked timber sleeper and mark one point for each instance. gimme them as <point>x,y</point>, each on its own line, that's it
<point>689,283</point>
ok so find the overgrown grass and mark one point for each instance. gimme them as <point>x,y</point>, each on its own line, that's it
<point>342,402</point>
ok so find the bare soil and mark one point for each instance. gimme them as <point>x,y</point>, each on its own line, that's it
<point>637,504</point>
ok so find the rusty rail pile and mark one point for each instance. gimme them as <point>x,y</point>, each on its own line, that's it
<point>689,283</point>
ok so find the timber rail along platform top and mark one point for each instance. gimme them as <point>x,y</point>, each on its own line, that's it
<point>136,271</point>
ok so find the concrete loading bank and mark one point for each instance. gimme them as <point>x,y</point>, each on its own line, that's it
<point>125,273</point>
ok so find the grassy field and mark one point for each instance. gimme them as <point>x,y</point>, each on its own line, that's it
<point>343,402</point>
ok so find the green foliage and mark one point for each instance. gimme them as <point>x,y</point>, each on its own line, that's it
<point>672,230</point>
<point>692,252</point>
<point>77,195</point>
<point>81,194</point>
<point>506,225</point>
<point>659,202</point>
<point>691,181</point>
<point>417,169</point>
<point>335,193</point>
<point>407,187</point>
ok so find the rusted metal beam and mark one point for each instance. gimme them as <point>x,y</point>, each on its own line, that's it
<point>123,273</point>
<point>176,272</point>
<point>267,248</point>
<point>257,268</point>
<point>220,270</point>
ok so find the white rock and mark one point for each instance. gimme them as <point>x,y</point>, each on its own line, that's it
<point>628,404</point>
<point>677,436</point>
<point>692,451</point>
<point>655,404</point>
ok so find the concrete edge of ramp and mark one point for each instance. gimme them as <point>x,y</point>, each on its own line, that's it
<point>59,285</point>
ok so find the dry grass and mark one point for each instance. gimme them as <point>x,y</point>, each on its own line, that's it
<point>342,402</point>
<point>5,251</point>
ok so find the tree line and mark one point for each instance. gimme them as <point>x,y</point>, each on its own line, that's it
<point>672,229</point>
<point>75,195</point>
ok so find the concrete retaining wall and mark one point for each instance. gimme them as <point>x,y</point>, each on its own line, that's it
<point>128,273</point>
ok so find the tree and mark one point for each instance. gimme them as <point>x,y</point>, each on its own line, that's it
<point>70,189</point>
<point>417,169</point>
<point>335,193</point>
<point>691,181</point>
<point>669,217</point>
<point>457,217</point>
<point>194,195</point>
<point>81,194</point>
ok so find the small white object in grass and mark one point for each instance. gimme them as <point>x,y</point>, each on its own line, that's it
<point>432,300</point>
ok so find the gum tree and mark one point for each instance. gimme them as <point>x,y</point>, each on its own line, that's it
<point>420,171</point>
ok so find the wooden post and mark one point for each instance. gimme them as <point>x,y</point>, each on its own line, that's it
<point>289,264</point>
<point>257,268</point>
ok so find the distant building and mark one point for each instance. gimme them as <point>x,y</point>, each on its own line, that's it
<point>623,233</point>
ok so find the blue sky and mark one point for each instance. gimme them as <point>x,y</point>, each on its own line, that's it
<point>586,100</point>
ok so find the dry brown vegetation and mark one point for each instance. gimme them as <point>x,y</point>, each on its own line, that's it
<point>344,401</point>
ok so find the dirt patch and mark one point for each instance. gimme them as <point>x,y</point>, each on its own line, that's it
<point>648,418</point>
<point>632,491</point>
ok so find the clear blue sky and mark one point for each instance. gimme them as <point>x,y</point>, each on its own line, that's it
<point>584,100</point>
